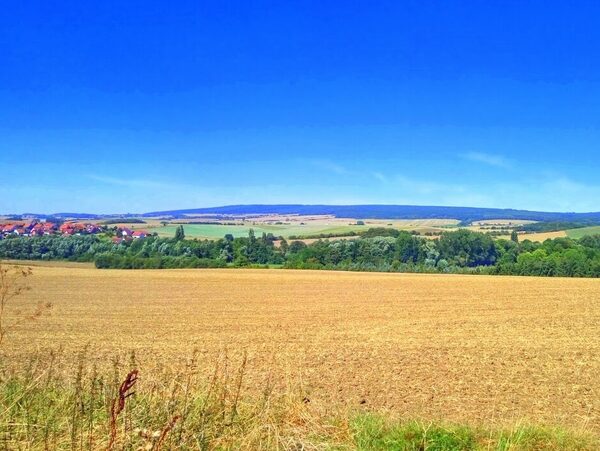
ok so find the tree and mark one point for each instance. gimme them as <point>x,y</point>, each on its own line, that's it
<point>409,249</point>
<point>297,246</point>
<point>283,246</point>
<point>179,233</point>
<point>466,248</point>
<point>514,236</point>
<point>380,231</point>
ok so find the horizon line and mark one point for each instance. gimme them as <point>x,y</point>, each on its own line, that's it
<point>300,205</point>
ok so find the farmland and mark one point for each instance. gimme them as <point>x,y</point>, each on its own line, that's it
<point>216,231</point>
<point>481,351</point>
<point>213,228</point>
<point>286,226</point>
<point>312,226</point>
<point>571,233</point>
<point>540,237</point>
<point>584,231</point>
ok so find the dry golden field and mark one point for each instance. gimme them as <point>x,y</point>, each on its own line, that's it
<point>473,349</point>
<point>543,236</point>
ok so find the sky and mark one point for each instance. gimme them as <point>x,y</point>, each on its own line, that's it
<point>116,107</point>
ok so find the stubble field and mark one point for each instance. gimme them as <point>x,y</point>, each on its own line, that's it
<point>470,349</point>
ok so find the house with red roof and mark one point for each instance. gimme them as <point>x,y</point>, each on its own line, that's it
<point>140,234</point>
<point>9,228</point>
<point>21,231</point>
<point>41,228</point>
<point>37,229</point>
<point>71,228</point>
<point>49,228</point>
<point>124,231</point>
<point>92,228</point>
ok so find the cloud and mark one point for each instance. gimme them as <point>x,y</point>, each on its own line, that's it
<point>544,191</point>
<point>400,189</point>
<point>489,159</point>
<point>331,166</point>
<point>379,176</point>
<point>132,183</point>
<point>339,169</point>
<point>422,186</point>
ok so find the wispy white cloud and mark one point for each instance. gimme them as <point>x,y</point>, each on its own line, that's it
<point>423,186</point>
<point>487,158</point>
<point>546,191</point>
<point>400,189</point>
<point>132,183</point>
<point>104,192</point>
<point>339,169</point>
<point>330,166</point>
<point>379,176</point>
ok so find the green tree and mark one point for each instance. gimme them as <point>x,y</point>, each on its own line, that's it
<point>283,246</point>
<point>466,248</point>
<point>514,236</point>
<point>179,233</point>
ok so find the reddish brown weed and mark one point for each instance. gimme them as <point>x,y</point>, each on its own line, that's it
<point>118,404</point>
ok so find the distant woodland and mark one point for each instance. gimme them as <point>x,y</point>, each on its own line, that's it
<point>381,249</point>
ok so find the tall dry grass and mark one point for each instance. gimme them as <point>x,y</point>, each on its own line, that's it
<point>49,404</point>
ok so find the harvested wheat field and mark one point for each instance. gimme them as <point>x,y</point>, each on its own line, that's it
<point>543,236</point>
<point>471,349</point>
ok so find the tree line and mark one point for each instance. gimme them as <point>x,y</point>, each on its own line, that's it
<point>381,249</point>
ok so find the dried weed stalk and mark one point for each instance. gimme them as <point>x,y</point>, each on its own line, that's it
<point>118,404</point>
<point>165,431</point>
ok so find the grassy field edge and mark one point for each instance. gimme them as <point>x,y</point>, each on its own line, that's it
<point>372,431</point>
<point>45,407</point>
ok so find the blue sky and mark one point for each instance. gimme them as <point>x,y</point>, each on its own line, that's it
<point>138,106</point>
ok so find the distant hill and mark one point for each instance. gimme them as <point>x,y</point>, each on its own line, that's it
<point>464,214</point>
<point>62,216</point>
<point>59,215</point>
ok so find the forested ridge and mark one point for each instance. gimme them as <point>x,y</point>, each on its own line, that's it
<point>464,214</point>
<point>387,250</point>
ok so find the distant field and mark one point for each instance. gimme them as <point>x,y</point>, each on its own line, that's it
<point>216,231</point>
<point>338,226</point>
<point>314,227</point>
<point>543,236</point>
<point>496,225</point>
<point>462,348</point>
<point>502,222</point>
<point>48,264</point>
<point>579,233</point>
<point>571,233</point>
<point>148,223</point>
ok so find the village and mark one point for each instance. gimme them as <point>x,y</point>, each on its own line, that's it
<point>35,228</point>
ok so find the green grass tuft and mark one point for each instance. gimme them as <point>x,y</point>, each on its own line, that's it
<point>372,432</point>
